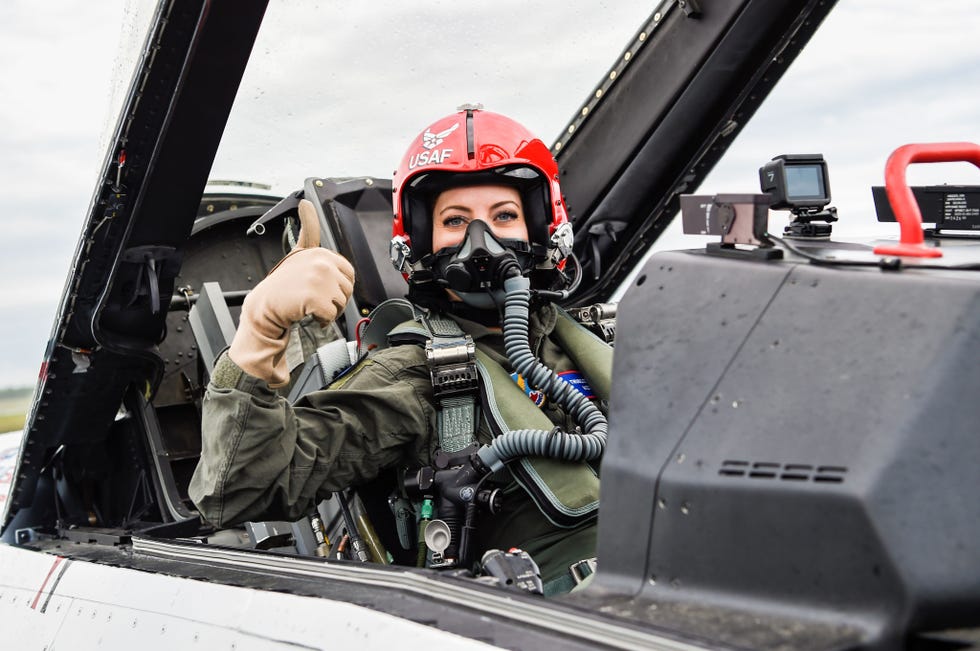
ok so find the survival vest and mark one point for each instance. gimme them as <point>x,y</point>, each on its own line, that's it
<point>567,493</point>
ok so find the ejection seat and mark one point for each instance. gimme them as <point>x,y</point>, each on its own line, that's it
<point>234,243</point>
<point>355,221</point>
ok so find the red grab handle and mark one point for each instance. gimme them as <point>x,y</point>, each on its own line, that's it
<point>903,201</point>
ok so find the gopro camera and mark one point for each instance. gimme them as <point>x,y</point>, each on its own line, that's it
<point>796,181</point>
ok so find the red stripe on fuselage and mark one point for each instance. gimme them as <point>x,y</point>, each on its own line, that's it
<point>40,591</point>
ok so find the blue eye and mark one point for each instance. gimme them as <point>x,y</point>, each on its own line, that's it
<point>451,222</point>
<point>505,216</point>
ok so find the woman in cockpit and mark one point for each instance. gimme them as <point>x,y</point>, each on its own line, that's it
<point>489,398</point>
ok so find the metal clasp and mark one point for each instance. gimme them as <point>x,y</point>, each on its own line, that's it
<point>452,365</point>
<point>580,570</point>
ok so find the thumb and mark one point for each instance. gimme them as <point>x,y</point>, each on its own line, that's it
<point>309,226</point>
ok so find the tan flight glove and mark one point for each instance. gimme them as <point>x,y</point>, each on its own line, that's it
<point>309,280</point>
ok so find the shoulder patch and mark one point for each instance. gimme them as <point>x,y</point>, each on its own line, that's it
<point>536,396</point>
<point>578,381</point>
<point>575,378</point>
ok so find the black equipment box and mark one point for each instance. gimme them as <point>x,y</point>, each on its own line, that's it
<point>949,207</point>
<point>796,439</point>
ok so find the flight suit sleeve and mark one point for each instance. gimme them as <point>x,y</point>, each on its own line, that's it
<point>263,458</point>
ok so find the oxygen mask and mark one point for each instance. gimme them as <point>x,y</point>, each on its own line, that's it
<point>477,268</point>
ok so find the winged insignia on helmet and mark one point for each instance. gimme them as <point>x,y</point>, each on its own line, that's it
<point>431,140</point>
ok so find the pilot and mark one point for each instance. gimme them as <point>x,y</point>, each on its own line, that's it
<point>482,236</point>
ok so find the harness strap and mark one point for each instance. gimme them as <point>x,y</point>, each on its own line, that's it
<point>323,367</point>
<point>451,356</point>
<point>577,573</point>
<point>336,356</point>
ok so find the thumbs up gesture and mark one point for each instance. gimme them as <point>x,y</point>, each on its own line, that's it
<point>310,280</point>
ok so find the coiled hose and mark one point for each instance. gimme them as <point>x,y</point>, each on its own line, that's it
<point>555,444</point>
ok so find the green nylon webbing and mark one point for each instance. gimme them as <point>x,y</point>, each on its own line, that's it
<point>444,327</point>
<point>457,415</point>
<point>457,423</point>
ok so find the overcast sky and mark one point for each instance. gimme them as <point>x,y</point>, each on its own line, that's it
<point>880,73</point>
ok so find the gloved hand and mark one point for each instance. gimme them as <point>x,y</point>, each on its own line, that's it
<point>309,280</point>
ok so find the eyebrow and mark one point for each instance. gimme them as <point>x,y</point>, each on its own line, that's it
<point>468,209</point>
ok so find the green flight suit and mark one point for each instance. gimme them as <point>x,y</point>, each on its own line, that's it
<point>263,458</point>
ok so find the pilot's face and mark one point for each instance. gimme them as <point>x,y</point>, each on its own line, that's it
<point>498,205</point>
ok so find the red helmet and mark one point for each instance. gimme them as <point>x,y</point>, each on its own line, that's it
<point>470,147</point>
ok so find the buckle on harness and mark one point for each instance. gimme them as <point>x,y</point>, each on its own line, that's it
<point>452,365</point>
<point>582,569</point>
